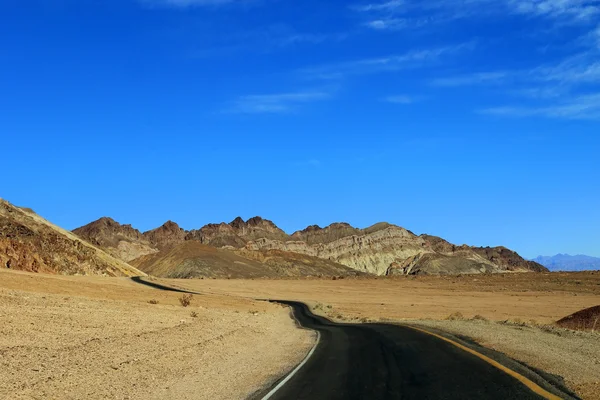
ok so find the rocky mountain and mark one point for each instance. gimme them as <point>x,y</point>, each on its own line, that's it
<point>565,262</point>
<point>165,236</point>
<point>385,249</point>
<point>381,249</point>
<point>121,241</point>
<point>30,243</point>
<point>237,233</point>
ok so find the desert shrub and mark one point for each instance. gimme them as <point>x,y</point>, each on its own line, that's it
<point>153,301</point>
<point>455,316</point>
<point>186,300</point>
<point>479,317</point>
<point>193,314</point>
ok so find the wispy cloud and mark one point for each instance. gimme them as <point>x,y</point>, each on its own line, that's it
<point>395,15</point>
<point>396,24</point>
<point>473,79</point>
<point>275,103</point>
<point>390,5</point>
<point>189,3</point>
<point>572,10</point>
<point>568,85</point>
<point>263,40</point>
<point>579,107</point>
<point>411,59</point>
<point>401,99</point>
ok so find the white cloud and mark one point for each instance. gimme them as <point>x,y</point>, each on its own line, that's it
<point>579,107</point>
<point>395,24</point>
<point>190,3</point>
<point>411,59</point>
<point>400,99</point>
<point>388,15</point>
<point>492,77</point>
<point>275,103</point>
<point>389,5</point>
<point>573,10</point>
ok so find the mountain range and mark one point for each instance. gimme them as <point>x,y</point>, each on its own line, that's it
<point>239,249</point>
<point>566,262</point>
<point>258,247</point>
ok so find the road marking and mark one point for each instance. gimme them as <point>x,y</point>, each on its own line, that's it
<point>525,381</point>
<point>291,374</point>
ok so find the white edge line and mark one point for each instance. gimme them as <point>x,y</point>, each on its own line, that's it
<point>291,374</point>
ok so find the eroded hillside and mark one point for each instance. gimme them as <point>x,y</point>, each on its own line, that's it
<point>30,243</point>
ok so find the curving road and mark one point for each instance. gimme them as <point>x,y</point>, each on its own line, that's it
<point>381,361</point>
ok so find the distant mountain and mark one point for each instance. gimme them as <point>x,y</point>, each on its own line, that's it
<point>565,262</point>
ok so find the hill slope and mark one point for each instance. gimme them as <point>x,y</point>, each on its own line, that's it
<point>30,243</point>
<point>193,259</point>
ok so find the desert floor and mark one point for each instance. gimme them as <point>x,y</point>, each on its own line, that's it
<point>98,338</point>
<point>513,312</point>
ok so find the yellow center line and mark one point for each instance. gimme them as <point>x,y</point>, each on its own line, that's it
<point>525,381</point>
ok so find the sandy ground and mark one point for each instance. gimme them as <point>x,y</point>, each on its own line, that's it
<point>517,307</point>
<point>574,356</point>
<point>98,338</point>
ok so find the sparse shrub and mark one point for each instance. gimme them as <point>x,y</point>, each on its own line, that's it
<point>193,314</point>
<point>186,300</point>
<point>479,317</point>
<point>153,301</point>
<point>456,316</point>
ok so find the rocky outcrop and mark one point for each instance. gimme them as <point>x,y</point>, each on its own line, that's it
<point>369,252</point>
<point>165,236</point>
<point>30,243</point>
<point>121,241</point>
<point>237,233</point>
<point>385,249</point>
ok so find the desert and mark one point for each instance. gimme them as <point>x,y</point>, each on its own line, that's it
<point>85,314</point>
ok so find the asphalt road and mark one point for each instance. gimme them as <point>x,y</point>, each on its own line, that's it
<point>382,361</point>
<point>379,361</point>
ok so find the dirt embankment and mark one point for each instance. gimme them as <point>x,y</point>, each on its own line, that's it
<point>98,338</point>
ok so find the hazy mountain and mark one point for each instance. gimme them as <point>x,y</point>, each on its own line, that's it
<point>565,262</point>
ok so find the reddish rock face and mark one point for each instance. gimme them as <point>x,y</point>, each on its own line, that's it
<point>106,231</point>
<point>167,235</point>
<point>30,243</point>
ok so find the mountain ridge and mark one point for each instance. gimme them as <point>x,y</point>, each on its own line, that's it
<point>380,249</point>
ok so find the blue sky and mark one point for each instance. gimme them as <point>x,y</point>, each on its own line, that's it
<point>474,120</point>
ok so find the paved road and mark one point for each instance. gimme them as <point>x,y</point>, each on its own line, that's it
<point>380,361</point>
